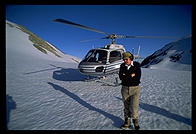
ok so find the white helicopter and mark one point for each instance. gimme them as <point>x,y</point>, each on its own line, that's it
<point>106,60</point>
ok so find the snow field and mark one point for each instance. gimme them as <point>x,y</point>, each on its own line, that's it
<point>47,93</point>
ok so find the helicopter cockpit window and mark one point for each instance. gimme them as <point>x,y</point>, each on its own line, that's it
<point>114,56</point>
<point>96,56</point>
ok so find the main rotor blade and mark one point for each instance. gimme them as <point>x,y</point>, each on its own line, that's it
<point>167,37</point>
<point>89,40</point>
<point>125,36</point>
<point>79,26</point>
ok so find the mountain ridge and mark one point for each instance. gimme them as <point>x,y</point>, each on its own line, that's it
<point>40,44</point>
<point>174,55</point>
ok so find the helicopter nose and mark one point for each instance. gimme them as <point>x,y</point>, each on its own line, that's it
<point>99,69</point>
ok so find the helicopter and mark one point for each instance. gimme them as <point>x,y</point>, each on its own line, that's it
<point>105,60</point>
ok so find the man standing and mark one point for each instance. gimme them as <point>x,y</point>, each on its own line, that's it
<point>130,74</point>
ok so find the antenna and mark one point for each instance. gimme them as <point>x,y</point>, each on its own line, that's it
<point>138,52</point>
<point>132,51</point>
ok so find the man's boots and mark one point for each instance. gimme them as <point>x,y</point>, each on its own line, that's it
<point>127,123</point>
<point>136,124</point>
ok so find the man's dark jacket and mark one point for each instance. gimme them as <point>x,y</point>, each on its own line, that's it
<point>125,75</point>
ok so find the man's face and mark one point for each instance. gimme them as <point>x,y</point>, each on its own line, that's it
<point>127,61</point>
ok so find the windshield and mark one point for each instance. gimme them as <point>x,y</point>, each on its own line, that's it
<point>96,56</point>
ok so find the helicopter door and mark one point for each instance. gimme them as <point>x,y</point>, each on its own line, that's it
<point>115,56</point>
<point>115,59</point>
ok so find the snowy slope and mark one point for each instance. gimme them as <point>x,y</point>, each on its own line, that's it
<point>25,46</point>
<point>44,92</point>
<point>175,55</point>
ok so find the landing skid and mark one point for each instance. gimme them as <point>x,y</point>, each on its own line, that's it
<point>102,79</point>
<point>89,78</point>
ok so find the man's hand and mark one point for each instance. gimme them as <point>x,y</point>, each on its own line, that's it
<point>133,75</point>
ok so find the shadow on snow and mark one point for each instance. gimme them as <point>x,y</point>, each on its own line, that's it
<point>116,120</point>
<point>63,74</point>
<point>68,74</point>
<point>10,105</point>
<point>164,112</point>
<point>43,70</point>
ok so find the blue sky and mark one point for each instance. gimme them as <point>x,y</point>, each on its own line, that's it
<point>136,20</point>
